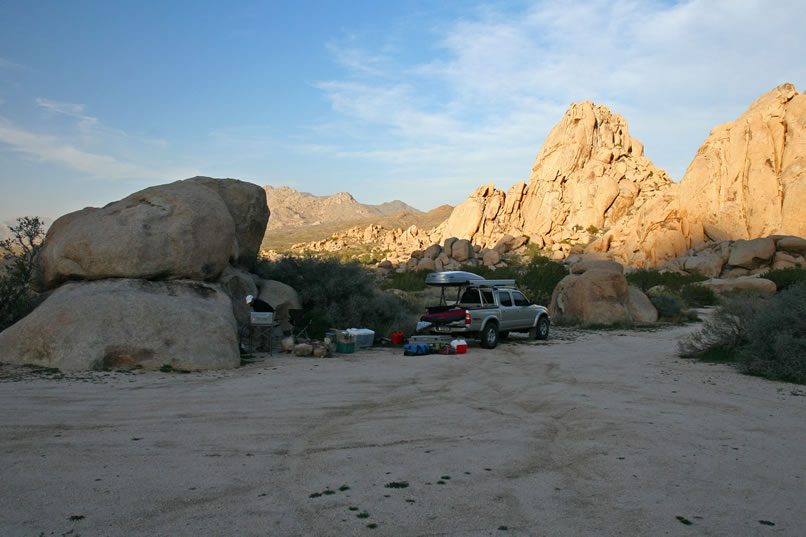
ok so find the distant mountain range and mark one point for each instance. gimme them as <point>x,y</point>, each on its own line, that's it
<point>291,208</point>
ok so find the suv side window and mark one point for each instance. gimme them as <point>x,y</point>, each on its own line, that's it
<point>504,298</point>
<point>471,296</point>
<point>520,300</point>
<point>487,295</point>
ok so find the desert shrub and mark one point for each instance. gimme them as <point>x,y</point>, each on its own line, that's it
<point>645,279</point>
<point>540,277</point>
<point>785,278</point>
<point>412,280</point>
<point>669,307</point>
<point>775,343</point>
<point>338,295</point>
<point>502,273</point>
<point>697,296</point>
<point>765,337</point>
<point>725,332</point>
<point>16,297</point>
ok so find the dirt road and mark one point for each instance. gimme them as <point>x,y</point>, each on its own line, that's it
<point>588,434</point>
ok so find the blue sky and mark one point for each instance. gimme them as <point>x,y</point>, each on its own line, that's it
<point>418,101</point>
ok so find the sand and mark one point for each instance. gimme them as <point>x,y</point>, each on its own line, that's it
<point>590,433</point>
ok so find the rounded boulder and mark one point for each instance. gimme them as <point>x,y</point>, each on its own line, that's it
<point>123,323</point>
<point>181,230</point>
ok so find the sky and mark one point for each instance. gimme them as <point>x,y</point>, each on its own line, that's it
<point>420,101</point>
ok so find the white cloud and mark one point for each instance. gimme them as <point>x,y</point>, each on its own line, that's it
<point>8,64</point>
<point>60,150</point>
<point>498,82</point>
<point>68,109</point>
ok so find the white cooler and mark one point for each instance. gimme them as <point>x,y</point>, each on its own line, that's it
<point>363,337</point>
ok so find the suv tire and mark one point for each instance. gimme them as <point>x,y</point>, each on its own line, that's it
<point>489,336</point>
<point>541,331</point>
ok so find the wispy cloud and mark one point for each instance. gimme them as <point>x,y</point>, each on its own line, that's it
<point>8,64</point>
<point>87,132</point>
<point>499,81</point>
<point>68,109</point>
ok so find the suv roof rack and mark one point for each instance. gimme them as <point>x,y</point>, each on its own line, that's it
<point>455,278</point>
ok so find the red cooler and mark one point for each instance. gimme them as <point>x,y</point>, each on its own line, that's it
<point>397,338</point>
<point>460,345</point>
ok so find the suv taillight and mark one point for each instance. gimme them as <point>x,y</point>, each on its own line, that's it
<point>467,317</point>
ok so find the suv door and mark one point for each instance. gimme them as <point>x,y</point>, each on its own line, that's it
<point>525,315</point>
<point>508,311</point>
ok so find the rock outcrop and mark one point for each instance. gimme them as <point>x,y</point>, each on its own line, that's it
<point>148,281</point>
<point>589,174</point>
<point>592,185</point>
<point>748,179</point>
<point>123,323</point>
<point>733,259</point>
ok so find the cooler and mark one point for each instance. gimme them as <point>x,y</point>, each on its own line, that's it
<point>363,337</point>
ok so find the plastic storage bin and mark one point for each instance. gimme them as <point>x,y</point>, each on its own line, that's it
<point>363,337</point>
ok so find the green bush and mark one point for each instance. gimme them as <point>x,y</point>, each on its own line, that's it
<point>785,278</point>
<point>16,297</point>
<point>765,337</point>
<point>336,295</point>
<point>540,277</point>
<point>775,345</point>
<point>697,296</point>
<point>502,273</point>
<point>412,280</point>
<point>669,307</point>
<point>645,279</point>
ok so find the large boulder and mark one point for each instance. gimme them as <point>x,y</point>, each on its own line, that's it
<point>123,323</point>
<point>433,251</point>
<point>792,245</point>
<point>490,257</point>
<point>596,297</point>
<point>597,264</point>
<point>707,263</point>
<point>427,263</point>
<point>247,205</point>
<point>283,298</point>
<point>745,284</point>
<point>752,254</point>
<point>238,284</point>
<point>182,230</point>
<point>641,308</point>
<point>462,250</point>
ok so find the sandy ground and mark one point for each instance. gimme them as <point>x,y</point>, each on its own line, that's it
<point>588,434</point>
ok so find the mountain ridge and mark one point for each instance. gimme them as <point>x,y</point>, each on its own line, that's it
<point>292,208</point>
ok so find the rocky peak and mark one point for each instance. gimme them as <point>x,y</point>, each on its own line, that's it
<point>749,177</point>
<point>589,172</point>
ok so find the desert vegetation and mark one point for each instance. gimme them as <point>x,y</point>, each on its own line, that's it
<point>761,336</point>
<point>537,276</point>
<point>16,270</point>
<point>673,294</point>
<point>335,294</point>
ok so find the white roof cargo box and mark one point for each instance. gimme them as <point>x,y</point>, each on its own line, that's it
<point>455,278</point>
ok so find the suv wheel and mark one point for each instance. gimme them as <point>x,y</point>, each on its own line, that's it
<point>489,336</point>
<point>541,331</point>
